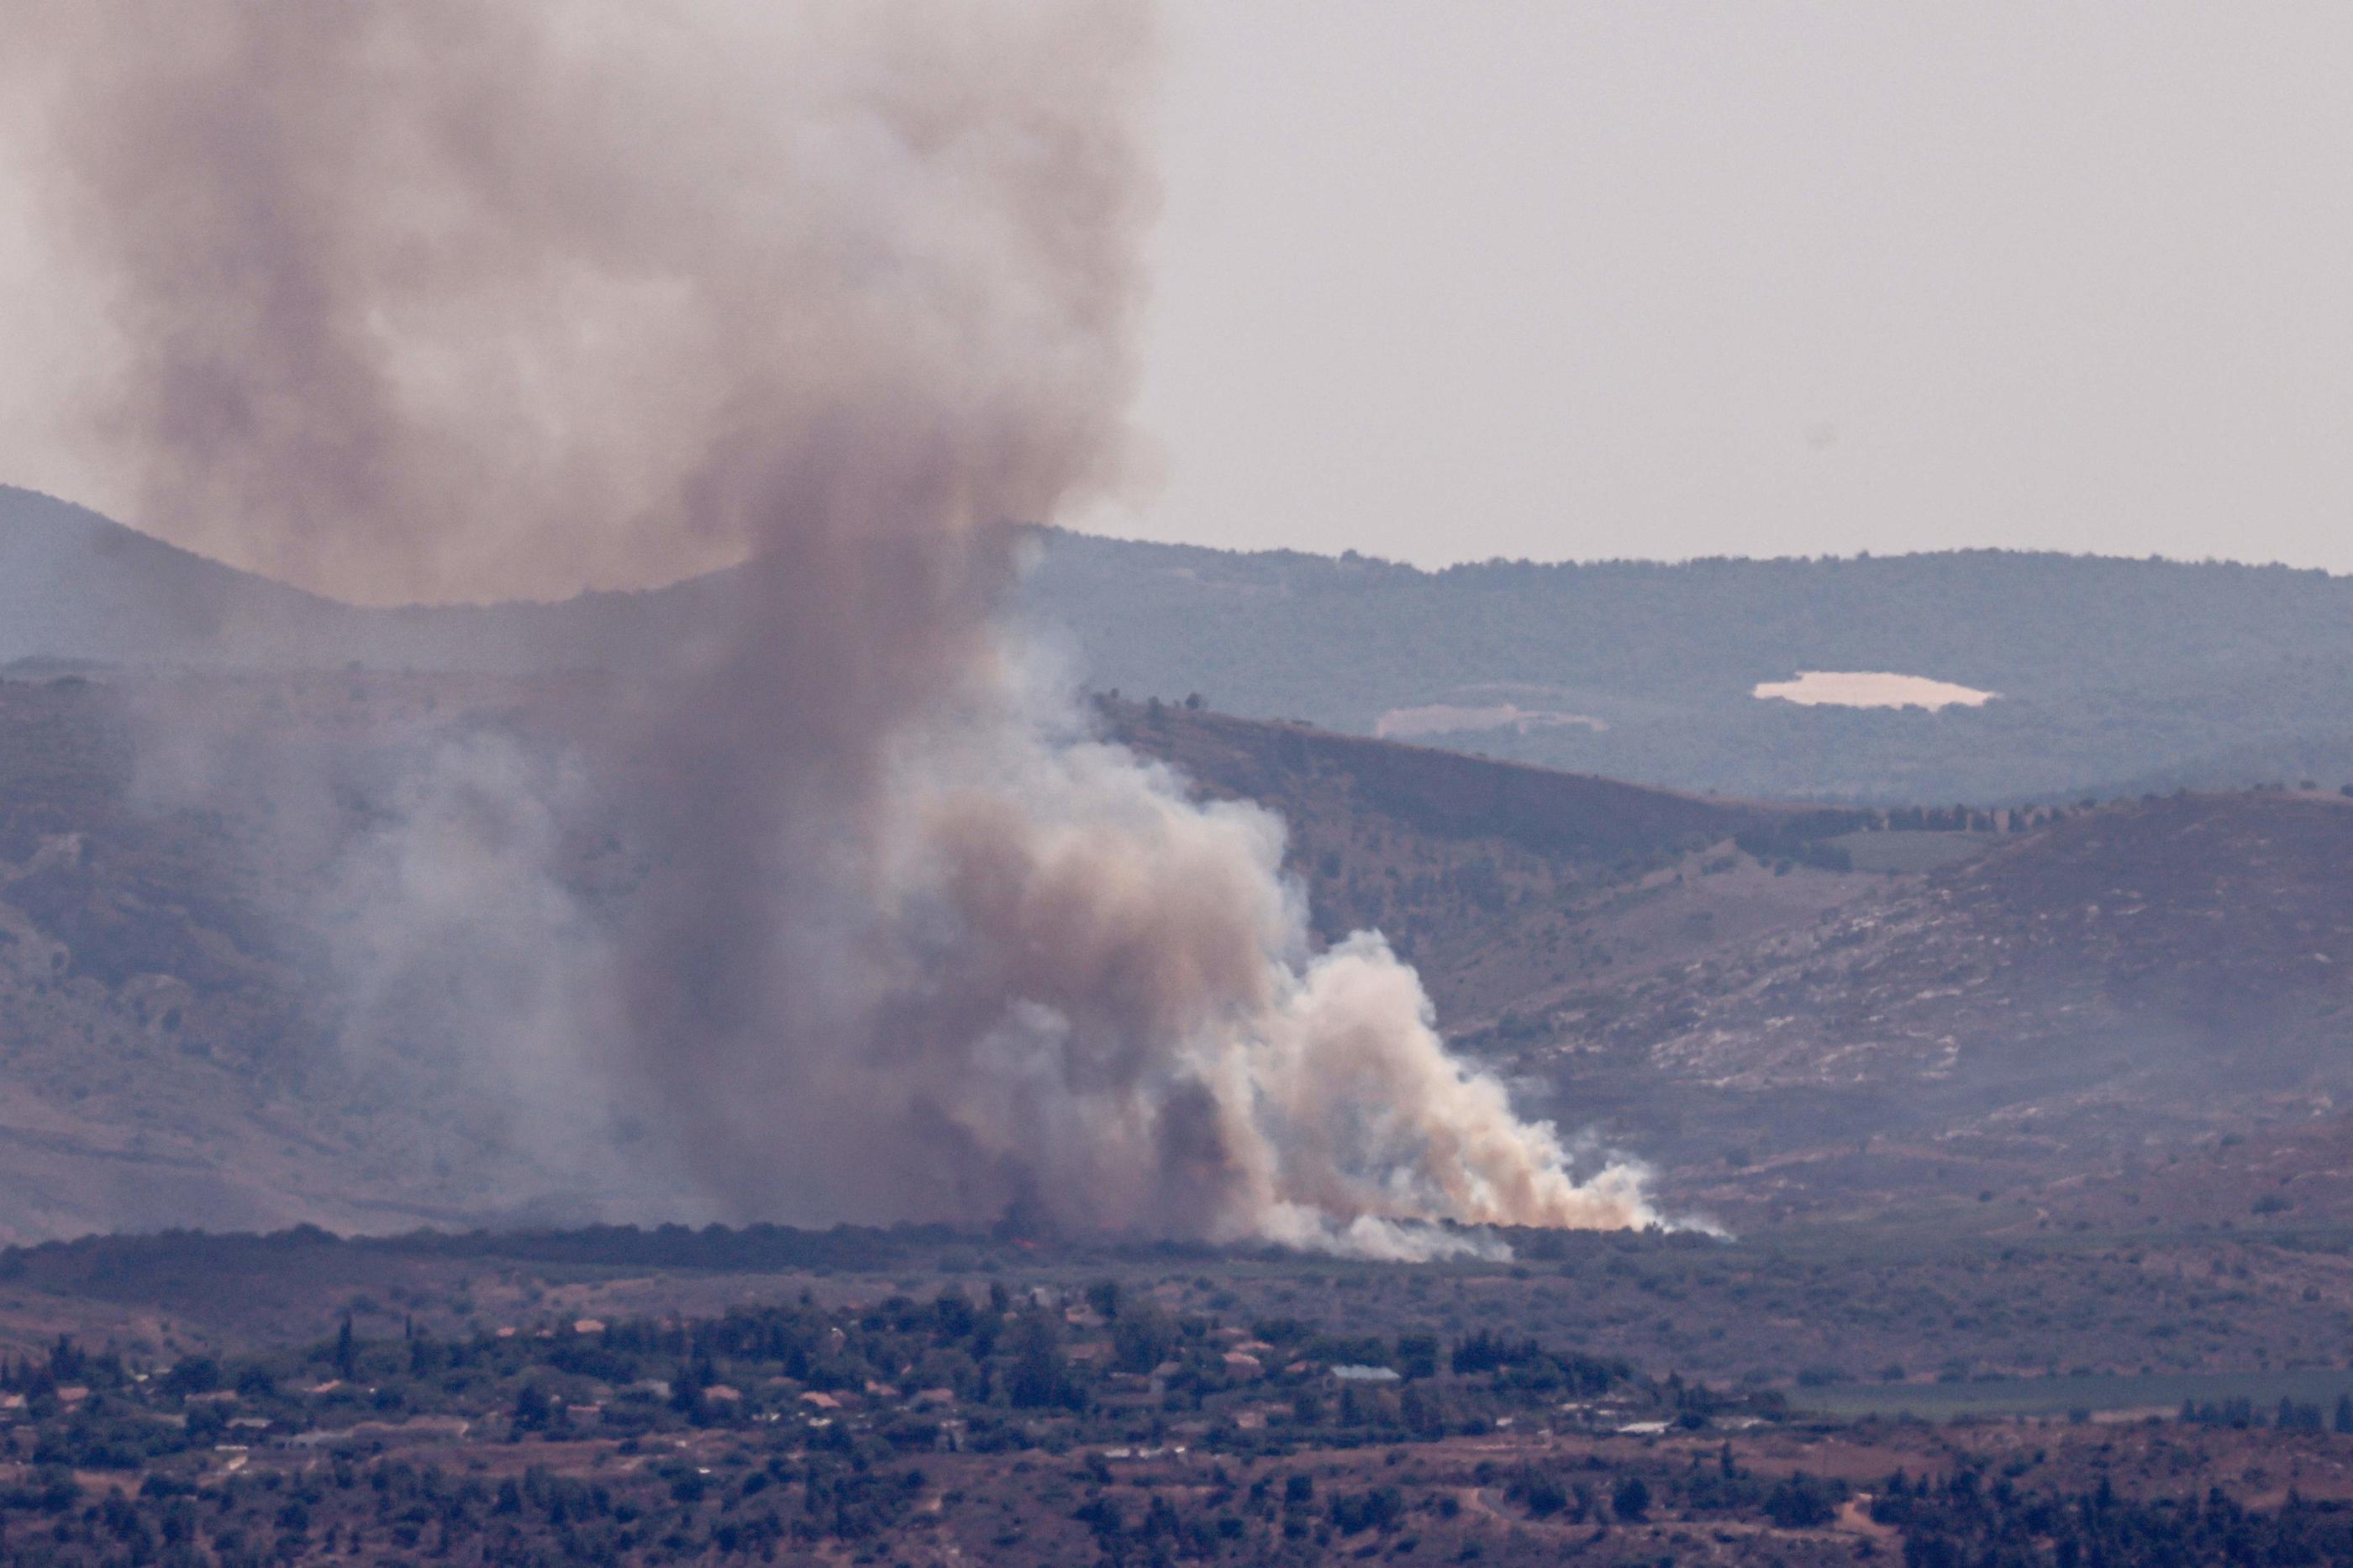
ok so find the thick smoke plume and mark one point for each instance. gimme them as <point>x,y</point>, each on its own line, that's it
<point>455,300</point>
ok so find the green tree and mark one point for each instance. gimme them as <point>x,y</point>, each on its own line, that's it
<point>1039,1376</point>
<point>1142,1338</point>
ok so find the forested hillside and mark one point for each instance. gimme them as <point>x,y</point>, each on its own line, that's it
<point>2106,670</point>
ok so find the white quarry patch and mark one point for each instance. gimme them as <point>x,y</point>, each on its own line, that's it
<point>1871,688</point>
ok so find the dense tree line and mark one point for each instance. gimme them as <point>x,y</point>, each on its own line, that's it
<point>1963,1523</point>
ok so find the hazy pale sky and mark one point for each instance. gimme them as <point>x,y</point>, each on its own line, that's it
<point>1441,279</point>
<point>1449,280</point>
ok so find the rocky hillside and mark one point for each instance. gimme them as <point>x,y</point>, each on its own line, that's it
<point>2127,986</point>
<point>151,1043</point>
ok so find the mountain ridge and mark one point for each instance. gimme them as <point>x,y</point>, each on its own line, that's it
<point>2111,673</point>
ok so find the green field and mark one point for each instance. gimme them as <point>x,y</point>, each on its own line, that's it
<point>2058,1396</point>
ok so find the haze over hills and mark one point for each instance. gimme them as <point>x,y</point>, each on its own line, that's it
<point>1695,980</point>
<point>2111,675</point>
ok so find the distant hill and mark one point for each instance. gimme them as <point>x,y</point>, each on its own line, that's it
<point>2112,674</point>
<point>2108,670</point>
<point>75,586</point>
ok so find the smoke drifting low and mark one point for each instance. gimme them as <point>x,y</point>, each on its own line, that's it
<point>456,300</point>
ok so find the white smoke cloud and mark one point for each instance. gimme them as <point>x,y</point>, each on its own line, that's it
<point>470,976</point>
<point>1113,1014</point>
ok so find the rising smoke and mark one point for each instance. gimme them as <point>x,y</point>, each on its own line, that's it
<point>448,299</point>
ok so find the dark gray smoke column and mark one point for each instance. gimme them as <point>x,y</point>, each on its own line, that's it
<point>458,299</point>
